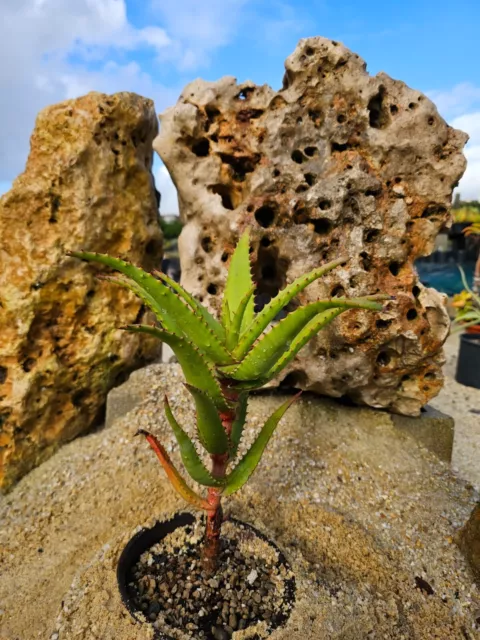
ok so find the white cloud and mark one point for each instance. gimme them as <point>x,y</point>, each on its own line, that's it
<point>460,106</point>
<point>469,187</point>
<point>457,101</point>
<point>163,182</point>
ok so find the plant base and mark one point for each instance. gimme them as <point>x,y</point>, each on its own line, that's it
<point>163,582</point>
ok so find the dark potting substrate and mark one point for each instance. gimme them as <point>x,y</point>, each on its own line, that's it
<point>166,582</point>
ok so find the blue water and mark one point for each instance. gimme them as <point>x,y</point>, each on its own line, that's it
<point>444,277</point>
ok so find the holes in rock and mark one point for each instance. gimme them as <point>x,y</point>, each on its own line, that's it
<point>430,376</point>
<point>336,146</point>
<point>276,173</point>
<point>416,291</point>
<point>324,204</point>
<point>206,244</point>
<point>224,192</point>
<point>201,148</point>
<point>394,268</point>
<point>297,156</point>
<point>378,114</point>
<point>265,216</point>
<point>212,112</point>
<point>55,202</point>
<point>265,241</point>
<point>434,210</point>
<point>393,109</point>
<point>322,226</point>
<point>310,179</point>
<point>383,358</point>
<point>309,51</point>
<point>412,314</point>
<point>299,120</point>
<point>28,364</point>
<point>245,93</point>
<point>365,261</point>
<point>294,379</point>
<point>224,256</point>
<point>3,374</point>
<point>341,118</point>
<point>370,235</point>
<point>301,188</point>
<point>337,292</point>
<point>431,120</point>
<point>241,165</point>
<point>310,151</point>
<point>79,397</point>
<point>212,289</point>
<point>412,106</point>
<point>383,324</point>
<point>269,272</point>
<point>152,248</point>
<point>90,294</point>
<point>245,115</point>
<point>250,208</point>
<point>315,116</point>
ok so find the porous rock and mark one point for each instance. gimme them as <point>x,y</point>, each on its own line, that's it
<point>336,163</point>
<point>87,185</point>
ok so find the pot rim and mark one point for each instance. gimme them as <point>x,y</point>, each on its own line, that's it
<point>147,537</point>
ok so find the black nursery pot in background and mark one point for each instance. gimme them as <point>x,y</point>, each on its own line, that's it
<point>145,539</point>
<point>468,365</point>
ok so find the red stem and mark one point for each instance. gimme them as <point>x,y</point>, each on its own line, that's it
<point>213,528</point>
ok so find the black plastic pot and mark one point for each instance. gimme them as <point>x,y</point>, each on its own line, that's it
<point>468,365</point>
<point>147,538</point>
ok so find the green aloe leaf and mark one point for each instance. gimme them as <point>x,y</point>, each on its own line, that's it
<point>238,423</point>
<point>236,321</point>
<point>197,369</point>
<point>212,322</point>
<point>271,310</point>
<point>176,316</point>
<point>190,457</point>
<point>272,345</point>
<point>239,280</point>
<point>210,429</point>
<point>247,465</point>
<point>311,329</point>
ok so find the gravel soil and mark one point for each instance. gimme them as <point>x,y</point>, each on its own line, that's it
<point>172,589</point>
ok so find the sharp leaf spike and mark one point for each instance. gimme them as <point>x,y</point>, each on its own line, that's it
<point>236,321</point>
<point>198,371</point>
<point>272,345</point>
<point>212,322</point>
<point>268,313</point>
<point>238,423</point>
<point>247,465</point>
<point>177,316</point>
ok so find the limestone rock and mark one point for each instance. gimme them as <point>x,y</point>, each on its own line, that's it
<point>335,163</point>
<point>87,185</point>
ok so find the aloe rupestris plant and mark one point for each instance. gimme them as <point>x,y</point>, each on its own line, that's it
<point>223,360</point>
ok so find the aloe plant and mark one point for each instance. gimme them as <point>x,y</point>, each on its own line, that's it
<point>223,361</point>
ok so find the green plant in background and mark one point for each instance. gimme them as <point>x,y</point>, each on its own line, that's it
<point>467,307</point>
<point>223,360</point>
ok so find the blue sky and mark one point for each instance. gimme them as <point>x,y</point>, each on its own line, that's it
<point>58,49</point>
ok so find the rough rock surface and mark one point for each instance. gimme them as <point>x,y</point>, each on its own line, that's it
<point>335,163</point>
<point>87,185</point>
<point>367,519</point>
<point>469,539</point>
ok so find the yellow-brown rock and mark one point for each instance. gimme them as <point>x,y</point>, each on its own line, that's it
<point>87,185</point>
